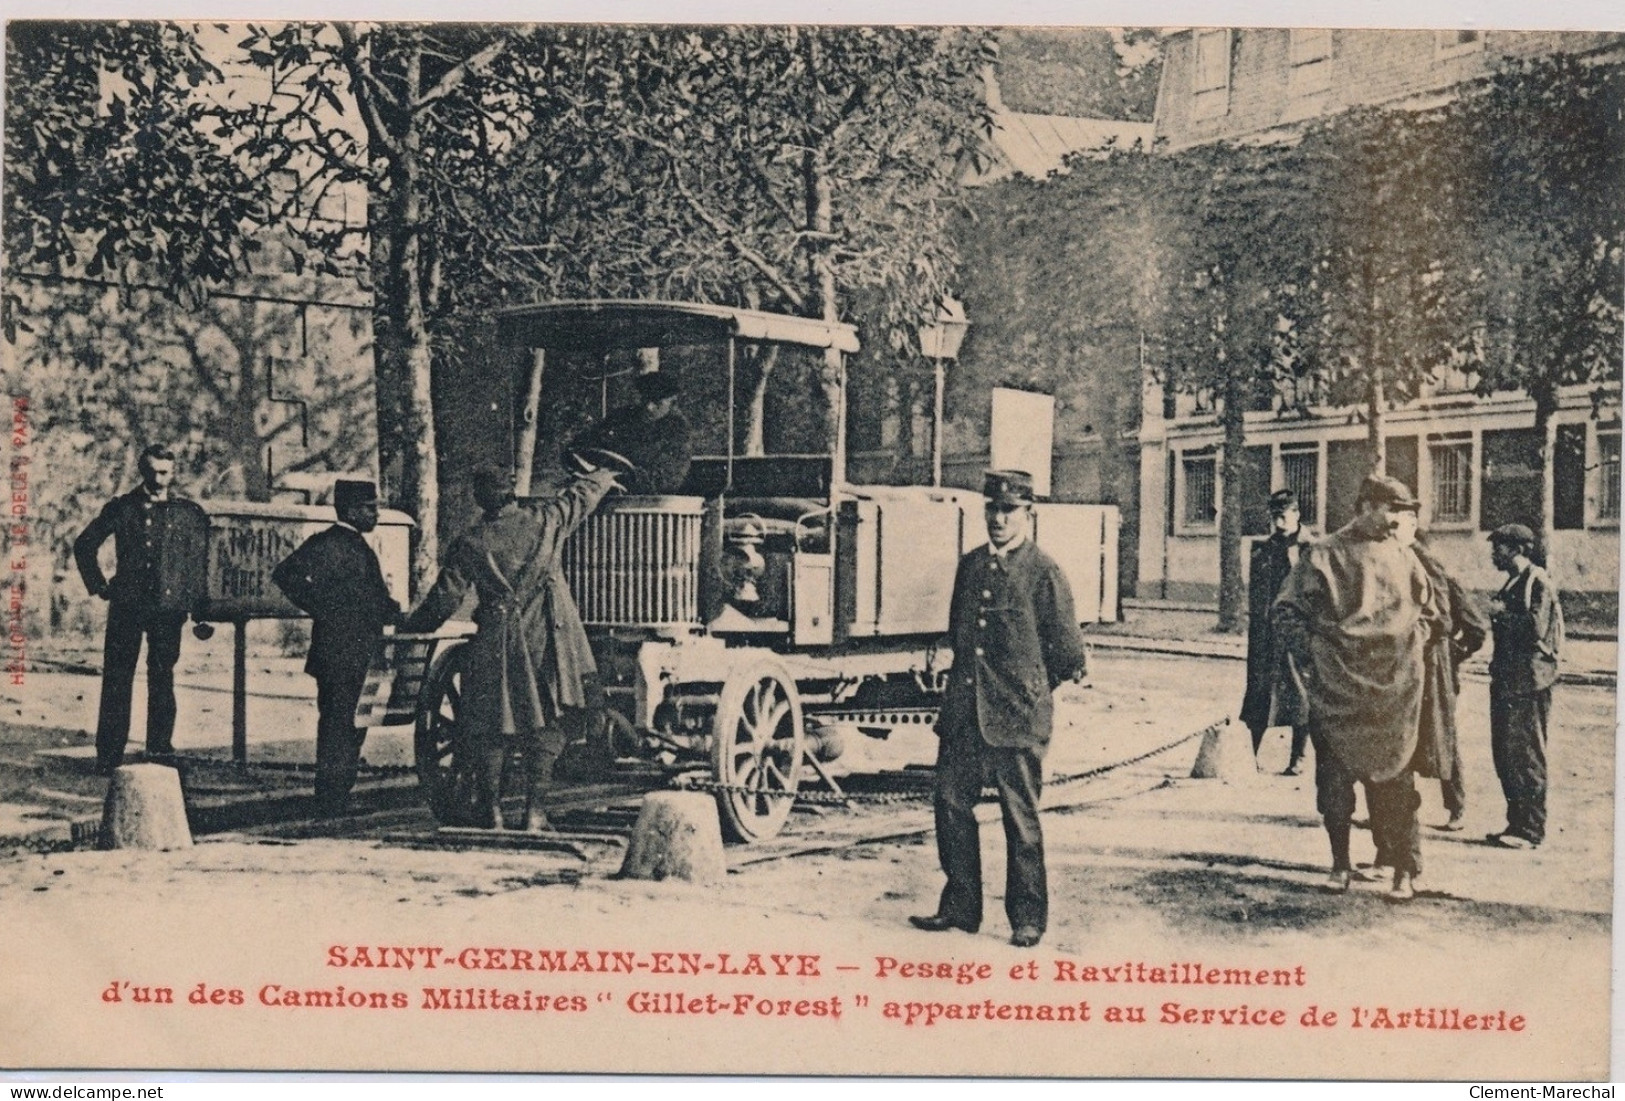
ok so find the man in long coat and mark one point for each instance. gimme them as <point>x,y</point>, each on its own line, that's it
<point>153,530</point>
<point>334,577</point>
<point>1274,694</point>
<point>1354,612</point>
<point>1463,631</point>
<point>528,659</point>
<point>1528,624</point>
<point>1015,638</point>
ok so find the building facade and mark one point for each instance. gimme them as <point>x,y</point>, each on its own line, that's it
<point>1475,462</point>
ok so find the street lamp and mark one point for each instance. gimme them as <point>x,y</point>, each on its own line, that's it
<point>939,342</point>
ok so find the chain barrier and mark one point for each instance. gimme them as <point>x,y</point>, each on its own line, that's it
<point>836,798</point>
<point>381,772</point>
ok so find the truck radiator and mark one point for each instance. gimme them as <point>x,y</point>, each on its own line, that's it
<point>636,563</point>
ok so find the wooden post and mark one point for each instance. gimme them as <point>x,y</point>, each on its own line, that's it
<point>525,455</point>
<point>239,691</point>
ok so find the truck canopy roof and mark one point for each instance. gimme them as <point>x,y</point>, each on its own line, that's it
<point>606,324</point>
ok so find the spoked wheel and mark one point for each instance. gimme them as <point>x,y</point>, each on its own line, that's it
<point>442,747</point>
<point>757,743</point>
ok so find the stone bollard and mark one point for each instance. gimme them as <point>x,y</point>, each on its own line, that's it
<point>144,810</point>
<point>677,836</point>
<point>1226,754</point>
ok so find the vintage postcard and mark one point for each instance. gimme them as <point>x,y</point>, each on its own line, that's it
<point>788,549</point>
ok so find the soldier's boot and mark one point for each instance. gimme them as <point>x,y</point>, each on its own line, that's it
<point>539,773</point>
<point>488,809</point>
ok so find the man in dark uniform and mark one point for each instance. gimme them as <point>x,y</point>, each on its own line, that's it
<point>528,661</point>
<point>1528,624</point>
<point>1273,696</point>
<point>1015,638</point>
<point>652,435</point>
<point>1355,614</point>
<point>146,525</point>
<point>334,578</point>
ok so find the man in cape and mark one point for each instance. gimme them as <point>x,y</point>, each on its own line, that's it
<point>1355,614</point>
<point>529,657</point>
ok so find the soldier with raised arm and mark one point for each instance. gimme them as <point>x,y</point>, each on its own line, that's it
<point>527,661</point>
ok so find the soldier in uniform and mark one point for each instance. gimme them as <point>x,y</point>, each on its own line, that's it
<point>144,524</point>
<point>529,658</point>
<point>1015,638</point>
<point>1355,613</point>
<point>334,578</point>
<point>1273,695</point>
<point>1528,624</point>
<point>652,435</point>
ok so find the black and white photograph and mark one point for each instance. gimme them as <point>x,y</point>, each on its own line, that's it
<point>795,548</point>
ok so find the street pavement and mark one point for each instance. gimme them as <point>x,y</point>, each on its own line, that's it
<point>1146,863</point>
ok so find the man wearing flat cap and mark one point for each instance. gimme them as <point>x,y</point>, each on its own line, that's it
<point>1355,613</point>
<point>1015,638</point>
<point>1527,622</point>
<point>1274,693</point>
<point>529,658</point>
<point>334,577</point>
<point>652,434</point>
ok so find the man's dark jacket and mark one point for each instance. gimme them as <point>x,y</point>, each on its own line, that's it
<point>659,449</point>
<point>1015,637</point>
<point>161,549</point>
<point>335,578</point>
<point>1272,697</point>
<point>1528,634</point>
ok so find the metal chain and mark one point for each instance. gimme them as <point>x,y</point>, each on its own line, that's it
<point>364,769</point>
<point>832,798</point>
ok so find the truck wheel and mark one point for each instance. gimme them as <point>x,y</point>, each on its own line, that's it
<point>445,766</point>
<point>757,743</point>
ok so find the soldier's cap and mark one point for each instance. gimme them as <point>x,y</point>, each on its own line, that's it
<point>350,492</point>
<point>1382,490</point>
<point>655,386</point>
<point>1009,488</point>
<point>586,460</point>
<point>1513,535</point>
<point>1281,500</point>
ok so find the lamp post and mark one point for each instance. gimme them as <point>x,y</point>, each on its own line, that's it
<point>940,342</point>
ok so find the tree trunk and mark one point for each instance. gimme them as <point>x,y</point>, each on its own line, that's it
<point>1545,406</point>
<point>1375,399</point>
<point>419,488</point>
<point>755,433</point>
<point>1232,585</point>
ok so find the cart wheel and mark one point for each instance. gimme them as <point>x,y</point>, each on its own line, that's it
<point>445,767</point>
<point>757,742</point>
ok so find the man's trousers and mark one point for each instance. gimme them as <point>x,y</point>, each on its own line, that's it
<point>1392,805</point>
<point>1518,744</point>
<point>963,763</point>
<point>338,739</point>
<point>126,625</point>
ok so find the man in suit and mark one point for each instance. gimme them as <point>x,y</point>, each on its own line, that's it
<point>529,659</point>
<point>1273,697</point>
<point>334,577</point>
<point>153,529</point>
<point>1015,638</point>
<point>1355,613</point>
<point>1528,624</point>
